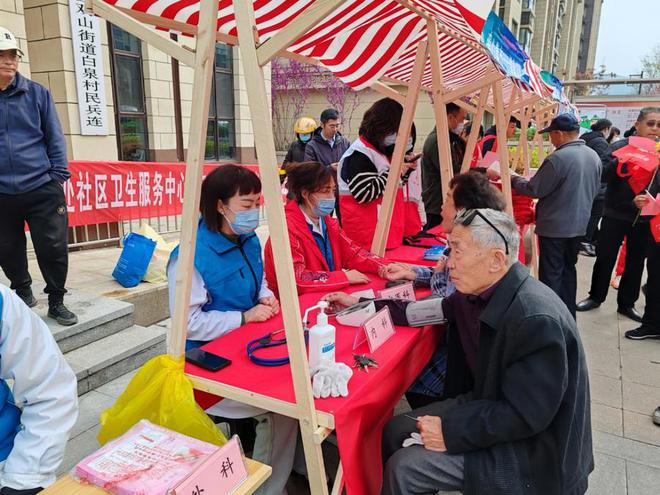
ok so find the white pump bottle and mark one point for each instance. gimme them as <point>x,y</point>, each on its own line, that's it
<point>321,339</point>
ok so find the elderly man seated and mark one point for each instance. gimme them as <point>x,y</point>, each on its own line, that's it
<point>518,417</point>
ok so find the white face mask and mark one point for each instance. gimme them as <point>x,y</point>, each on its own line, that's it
<point>389,140</point>
<point>459,128</point>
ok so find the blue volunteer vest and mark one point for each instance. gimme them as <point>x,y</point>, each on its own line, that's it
<point>232,273</point>
<point>10,415</point>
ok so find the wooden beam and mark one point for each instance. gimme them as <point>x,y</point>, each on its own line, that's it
<point>339,480</point>
<point>465,105</point>
<point>474,133</point>
<point>295,29</point>
<point>389,196</point>
<point>502,147</point>
<point>388,91</point>
<point>470,88</point>
<point>155,39</point>
<point>279,236</point>
<point>325,420</point>
<point>440,113</point>
<point>523,144</point>
<point>203,69</point>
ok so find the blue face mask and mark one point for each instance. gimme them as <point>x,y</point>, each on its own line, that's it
<point>305,137</point>
<point>324,207</point>
<point>245,222</point>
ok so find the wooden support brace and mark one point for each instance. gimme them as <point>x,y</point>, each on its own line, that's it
<point>136,28</point>
<point>203,68</point>
<point>474,133</point>
<point>265,145</point>
<point>502,148</point>
<point>295,29</point>
<point>388,91</point>
<point>470,88</point>
<point>393,178</point>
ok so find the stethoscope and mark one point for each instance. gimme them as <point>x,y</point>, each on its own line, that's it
<point>265,342</point>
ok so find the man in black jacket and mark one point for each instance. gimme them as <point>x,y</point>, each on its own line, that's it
<point>621,218</point>
<point>517,417</point>
<point>431,187</point>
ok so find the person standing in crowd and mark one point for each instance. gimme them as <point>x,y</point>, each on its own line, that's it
<point>621,219</point>
<point>304,130</point>
<point>566,184</point>
<point>614,136</point>
<point>431,185</point>
<point>489,141</point>
<point>33,170</point>
<point>527,407</point>
<point>39,410</point>
<point>228,290</point>
<point>363,170</point>
<point>324,257</point>
<point>328,145</point>
<point>597,142</point>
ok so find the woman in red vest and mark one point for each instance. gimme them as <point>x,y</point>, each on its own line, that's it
<point>362,175</point>
<point>324,257</point>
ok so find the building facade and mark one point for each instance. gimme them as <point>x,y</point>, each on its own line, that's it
<point>148,96</point>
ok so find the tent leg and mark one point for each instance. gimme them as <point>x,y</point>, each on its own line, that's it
<point>261,121</point>
<point>501,123</point>
<point>474,134</point>
<point>389,196</point>
<point>204,56</point>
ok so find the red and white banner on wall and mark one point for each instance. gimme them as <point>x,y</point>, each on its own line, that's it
<point>102,192</point>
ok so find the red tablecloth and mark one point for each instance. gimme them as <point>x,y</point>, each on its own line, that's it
<point>360,417</point>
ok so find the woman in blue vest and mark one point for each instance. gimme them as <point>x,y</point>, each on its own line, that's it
<point>229,290</point>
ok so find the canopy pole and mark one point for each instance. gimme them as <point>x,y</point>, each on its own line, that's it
<point>440,111</point>
<point>204,57</point>
<point>474,133</point>
<point>387,207</point>
<point>279,235</point>
<point>389,92</point>
<point>502,148</point>
<point>466,89</point>
<point>524,146</point>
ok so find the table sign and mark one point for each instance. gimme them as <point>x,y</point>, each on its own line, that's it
<point>220,474</point>
<point>376,330</point>
<point>402,291</point>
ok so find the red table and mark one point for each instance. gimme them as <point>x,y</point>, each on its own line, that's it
<point>358,418</point>
<point>413,255</point>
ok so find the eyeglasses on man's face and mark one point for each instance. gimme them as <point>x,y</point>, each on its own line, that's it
<point>466,217</point>
<point>11,55</point>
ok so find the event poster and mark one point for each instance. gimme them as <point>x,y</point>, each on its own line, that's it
<point>504,48</point>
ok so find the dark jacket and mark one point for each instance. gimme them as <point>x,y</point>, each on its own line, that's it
<point>32,146</point>
<point>566,184</point>
<point>597,142</point>
<point>296,153</point>
<point>319,150</point>
<point>619,196</point>
<point>431,187</point>
<point>525,425</point>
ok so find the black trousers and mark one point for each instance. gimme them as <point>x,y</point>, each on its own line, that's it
<point>557,259</point>
<point>44,210</point>
<point>596,214</point>
<point>432,220</point>
<point>651,318</point>
<point>612,232</point>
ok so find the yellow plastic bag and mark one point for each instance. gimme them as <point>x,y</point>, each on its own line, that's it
<point>157,270</point>
<point>161,393</point>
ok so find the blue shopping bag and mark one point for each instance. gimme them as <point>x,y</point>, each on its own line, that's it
<point>134,259</point>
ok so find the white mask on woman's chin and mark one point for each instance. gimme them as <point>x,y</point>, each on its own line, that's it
<point>389,140</point>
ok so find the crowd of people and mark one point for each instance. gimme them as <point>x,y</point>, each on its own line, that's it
<point>505,395</point>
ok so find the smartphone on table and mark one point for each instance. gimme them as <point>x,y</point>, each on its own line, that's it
<point>206,360</point>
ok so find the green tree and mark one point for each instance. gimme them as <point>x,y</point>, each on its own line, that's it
<point>651,69</point>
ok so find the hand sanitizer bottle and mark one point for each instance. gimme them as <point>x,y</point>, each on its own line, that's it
<point>321,340</point>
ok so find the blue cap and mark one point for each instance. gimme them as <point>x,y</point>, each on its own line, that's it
<point>565,122</point>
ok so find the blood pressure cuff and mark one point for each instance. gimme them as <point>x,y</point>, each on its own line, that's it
<point>413,313</point>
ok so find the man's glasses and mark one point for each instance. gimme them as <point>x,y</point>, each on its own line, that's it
<point>11,55</point>
<point>466,217</point>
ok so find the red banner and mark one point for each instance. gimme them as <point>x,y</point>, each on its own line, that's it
<point>100,192</point>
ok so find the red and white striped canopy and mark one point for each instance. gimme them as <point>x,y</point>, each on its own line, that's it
<point>361,41</point>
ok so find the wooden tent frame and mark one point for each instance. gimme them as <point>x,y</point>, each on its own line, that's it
<point>315,425</point>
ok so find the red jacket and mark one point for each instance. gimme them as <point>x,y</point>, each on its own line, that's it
<point>309,265</point>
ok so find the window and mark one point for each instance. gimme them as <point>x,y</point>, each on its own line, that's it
<point>128,91</point>
<point>527,19</point>
<point>525,39</point>
<point>221,132</point>
<point>528,4</point>
<point>514,28</point>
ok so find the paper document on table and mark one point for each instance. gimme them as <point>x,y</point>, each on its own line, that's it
<point>491,160</point>
<point>653,206</point>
